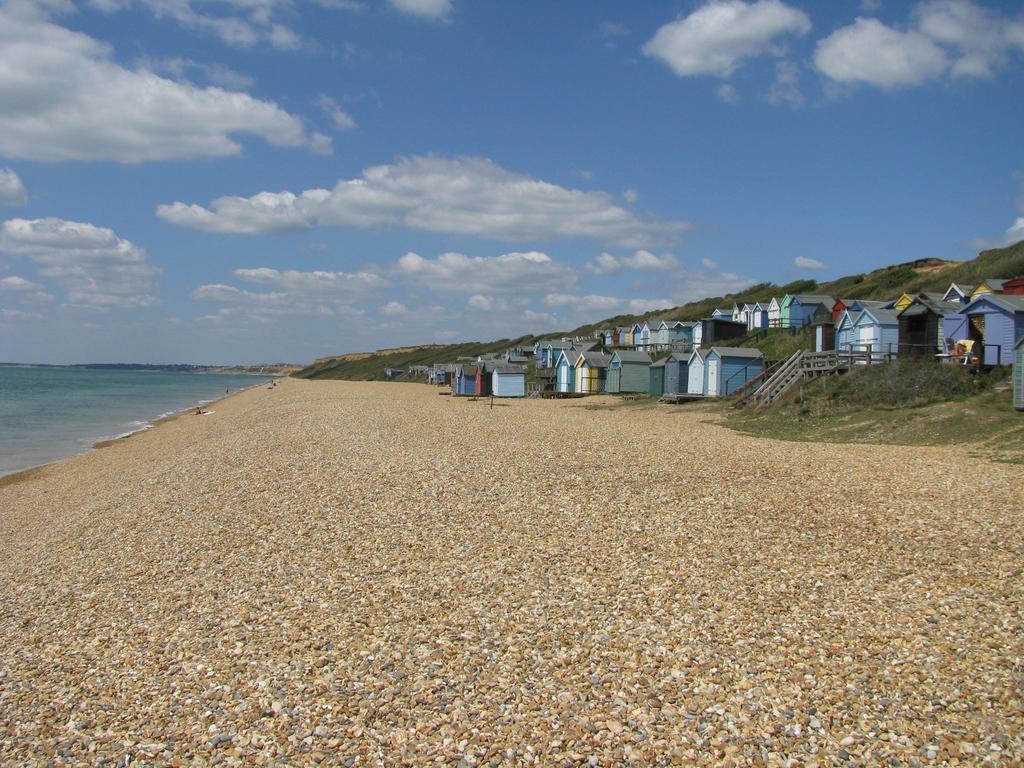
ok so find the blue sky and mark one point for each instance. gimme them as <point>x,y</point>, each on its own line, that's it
<point>226,181</point>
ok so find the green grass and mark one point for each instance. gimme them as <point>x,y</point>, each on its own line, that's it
<point>912,403</point>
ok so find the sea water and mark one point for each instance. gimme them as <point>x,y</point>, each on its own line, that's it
<point>48,414</point>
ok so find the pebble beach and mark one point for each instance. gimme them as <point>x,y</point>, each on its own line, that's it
<point>364,574</point>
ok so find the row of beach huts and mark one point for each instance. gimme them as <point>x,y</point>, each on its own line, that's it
<point>980,325</point>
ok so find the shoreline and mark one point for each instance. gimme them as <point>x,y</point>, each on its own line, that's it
<point>27,473</point>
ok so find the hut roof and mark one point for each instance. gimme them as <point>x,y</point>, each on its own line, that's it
<point>508,369</point>
<point>926,302</point>
<point>659,363</point>
<point>597,359</point>
<point>1011,303</point>
<point>815,298</point>
<point>881,316</point>
<point>737,352</point>
<point>629,356</point>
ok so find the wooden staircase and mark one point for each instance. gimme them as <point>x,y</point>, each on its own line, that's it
<point>780,378</point>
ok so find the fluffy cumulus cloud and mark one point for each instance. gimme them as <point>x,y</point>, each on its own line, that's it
<point>292,293</point>
<point>12,190</point>
<point>607,264</point>
<point>868,51</point>
<point>954,37</point>
<point>1015,233</point>
<point>458,196</point>
<point>507,273</point>
<point>97,109</point>
<point>94,266</point>
<point>438,10</point>
<point>803,262</point>
<point>717,37</point>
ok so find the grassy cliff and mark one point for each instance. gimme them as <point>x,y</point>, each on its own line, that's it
<point>885,283</point>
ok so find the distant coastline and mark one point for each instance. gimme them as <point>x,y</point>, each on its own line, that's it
<point>263,369</point>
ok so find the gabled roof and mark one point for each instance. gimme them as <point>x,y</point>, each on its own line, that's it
<point>556,344</point>
<point>737,352</point>
<point>1009,303</point>
<point>879,316</point>
<point>926,302</point>
<point>815,298</point>
<point>992,285</point>
<point>570,355</point>
<point>659,363</point>
<point>776,301</point>
<point>584,346</point>
<point>672,324</point>
<point>849,317</point>
<point>699,353</point>
<point>596,359</point>
<point>628,356</point>
<point>508,369</point>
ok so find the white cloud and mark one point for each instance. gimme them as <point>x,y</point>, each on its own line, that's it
<point>341,119</point>
<point>868,51</point>
<point>507,273</point>
<point>293,293</point>
<point>606,263</point>
<point>438,10</point>
<point>12,191</point>
<point>630,195</point>
<point>187,69</point>
<point>394,309</point>
<point>717,37</point>
<point>93,265</point>
<point>246,23</point>
<point>608,305</point>
<point>709,263</point>
<point>803,262</point>
<point>980,36</point>
<point>97,109</point>
<point>463,196</point>
<point>1015,233</point>
<point>728,94</point>
<point>23,289</point>
<point>786,87</point>
<point>945,36</point>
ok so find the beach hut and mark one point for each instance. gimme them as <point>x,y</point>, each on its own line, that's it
<point>464,384</point>
<point>1018,375</point>
<point>805,308</point>
<point>656,378</point>
<point>717,329</point>
<point>775,313</point>
<point>627,371</point>
<point>726,369</point>
<point>824,335</point>
<point>644,342</point>
<point>1014,287</point>
<point>987,287</point>
<point>844,329</point>
<point>724,313</point>
<point>484,378</point>
<point>675,373</point>
<point>994,322</point>
<point>508,381</point>
<point>921,325</point>
<point>958,292</point>
<point>676,334</point>
<point>546,352</point>
<point>758,317</point>
<point>695,372</point>
<point>565,371</point>
<point>875,331</point>
<point>592,372</point>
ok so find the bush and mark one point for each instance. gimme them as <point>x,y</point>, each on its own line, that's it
<point>905,383</point>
